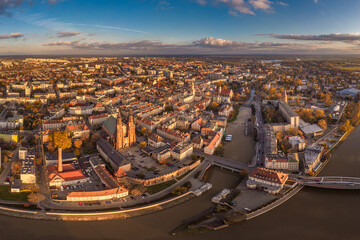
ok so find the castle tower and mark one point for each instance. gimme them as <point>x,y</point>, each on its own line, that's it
<point>60,166</point>
<point>119,142</point>
<point>131,129</point>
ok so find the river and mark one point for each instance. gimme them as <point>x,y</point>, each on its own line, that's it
<point>311,214</point>
<point>241,148</point>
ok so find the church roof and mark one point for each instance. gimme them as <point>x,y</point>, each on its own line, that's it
<point>110,125</point>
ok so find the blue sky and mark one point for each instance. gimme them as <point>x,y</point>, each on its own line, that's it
<point>179,27</point>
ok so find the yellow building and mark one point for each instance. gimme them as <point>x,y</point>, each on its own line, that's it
<point>9,137</point>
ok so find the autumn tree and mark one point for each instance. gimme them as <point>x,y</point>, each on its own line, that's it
<point>279,136</point>
<point>319,114</point>
<point>61,139</point>
<point>35,197</point>
<point>77,152</point>
<point>50,146</point>
<point>142,144</point>
<point>213,106</point>
<point>16,167</point>
<point>77,143</point>
<point>294,131</point>
<point>322,123</point>
<point>143,130</point>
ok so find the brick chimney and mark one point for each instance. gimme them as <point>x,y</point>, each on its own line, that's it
<point>60,166</point>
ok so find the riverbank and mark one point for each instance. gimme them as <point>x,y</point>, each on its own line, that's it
<point>94,216</point>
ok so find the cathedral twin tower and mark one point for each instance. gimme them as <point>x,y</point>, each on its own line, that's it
<point>125,134</point>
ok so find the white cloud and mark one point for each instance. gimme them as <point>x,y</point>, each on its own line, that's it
<point>11,36</point>
<point>333,37</point>
<point>67,34</point>
<point>242,6</point>
<point>261,4</point>
<point>282,3</point>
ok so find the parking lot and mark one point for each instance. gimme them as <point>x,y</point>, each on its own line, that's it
<point>94,184</point>
<point>141,163</point>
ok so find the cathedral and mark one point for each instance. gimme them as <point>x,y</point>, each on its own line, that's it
<point>119,134</point>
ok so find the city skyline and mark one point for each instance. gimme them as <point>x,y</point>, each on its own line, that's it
<point>146,27</point>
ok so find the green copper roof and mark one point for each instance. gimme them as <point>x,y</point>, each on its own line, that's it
<point>110,125</point>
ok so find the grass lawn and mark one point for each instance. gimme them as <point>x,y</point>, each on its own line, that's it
<point>236,113</point>
<point>5,194</point>
<point>159,187</point>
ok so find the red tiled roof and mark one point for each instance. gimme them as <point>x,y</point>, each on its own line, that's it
<point>269,175</point>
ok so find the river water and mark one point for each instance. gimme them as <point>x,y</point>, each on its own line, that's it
<point>241,148</point>
<point>311,214</point>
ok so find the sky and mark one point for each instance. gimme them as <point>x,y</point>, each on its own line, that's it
<point>157,27</point>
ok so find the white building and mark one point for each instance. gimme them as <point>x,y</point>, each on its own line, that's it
<point>182,151</point>
<point>27,173</point>
<point>271,181</point>
<point>276,161</point>
<point>312,157</point>
<point>297,142</point>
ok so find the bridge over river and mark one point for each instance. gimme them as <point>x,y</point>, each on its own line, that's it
<point>332,182</point>
<point>224,162</point>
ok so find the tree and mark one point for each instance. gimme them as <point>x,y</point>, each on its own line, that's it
<point>179,190</point>
<point>322,123</point>
<point>77,143</point>
<point>50,146</point>
<point>138,190</point>
<point>16,167</point>
<point>294,131</point>
<point>35,197</point>
<point>343,128</point>
<point>61,139</point>
<point>329,118</point>
<point>77,152</point>
<point>38,161</point>
<point>142,144</point>
<point>143,130</point>
<point>319,114</point>
<point>213,106</point>
<point>279,136</point>
<point>169,108</point>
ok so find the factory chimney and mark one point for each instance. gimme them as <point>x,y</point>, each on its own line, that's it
<point>60,166</point>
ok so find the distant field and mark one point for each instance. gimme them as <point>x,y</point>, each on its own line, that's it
<point>352,68</point>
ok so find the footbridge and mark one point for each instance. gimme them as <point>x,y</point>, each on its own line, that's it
<point>331,182</point>
<point>224,163</point>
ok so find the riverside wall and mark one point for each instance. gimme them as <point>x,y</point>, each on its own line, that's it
<point>164,178</point>
<point>95,216</point>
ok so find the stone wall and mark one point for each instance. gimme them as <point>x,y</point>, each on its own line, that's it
<point>164,178</point>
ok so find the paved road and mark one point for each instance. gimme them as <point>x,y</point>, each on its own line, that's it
<point>5,173</point>
<point>259,123</point>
